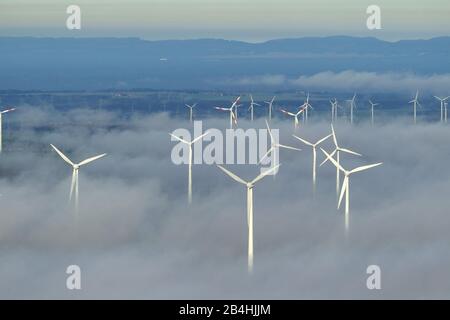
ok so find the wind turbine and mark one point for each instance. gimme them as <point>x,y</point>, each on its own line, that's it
<point>295,115</point>
<point>346,185</point>
<point>232,116</point>
<point>252,104</point>
<point>352,106</point>
<point>442,100</point>
<point>372,106</point>
<point>249,186</point>
<point>334,106</point>
<point>75,168</point>
<point>1,126</point>
<point>338,151</point>
<point>314,146</point>
<point>306,105</point>
<point>270,103</point>
<point>274,145</point>
<point>189,143</point>
<point>191,107</point>
<point>415,104</point>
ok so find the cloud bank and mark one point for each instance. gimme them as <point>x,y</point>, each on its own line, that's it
<point>136,237</point>
<point>350,81</point>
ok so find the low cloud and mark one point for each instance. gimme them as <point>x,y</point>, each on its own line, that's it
<point>136,237</point>
<point>350,81</point>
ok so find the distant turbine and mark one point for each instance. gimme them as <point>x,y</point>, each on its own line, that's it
<point>352,106</point>
<point>295,115</point>
<point>415,104</point>
<point>346,185</point>
<point>75,167</point>
<point>252,104</point>
<point>189,143</point>
<point>249,186</point>
<point>191,107</point>
<point>372,106</point>
<point>1,126</point>
<point>334,107</point>
<point>314,146</point>
<point>306,105</point>
<point>442,100</point>
<point>274,145</point>
<point>337,151</point>
<point>270,103</point>
<point>231,111</point>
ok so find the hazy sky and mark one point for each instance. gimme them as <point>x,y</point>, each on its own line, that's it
<point>251,20</point>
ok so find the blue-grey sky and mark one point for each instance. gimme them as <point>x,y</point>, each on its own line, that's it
<point>250,20</point>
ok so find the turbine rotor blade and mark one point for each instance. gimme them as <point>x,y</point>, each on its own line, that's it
<point>350,152</point>
<point>304,141</point>
<point>322,140</point>
<point>363,168</point>
<point>265,173</point>
<point>232,175</point>
<point>333,161</point>
<point>66,159</point>
<point>91,159</point>
<point>200,137</point>
<point>179,139</point>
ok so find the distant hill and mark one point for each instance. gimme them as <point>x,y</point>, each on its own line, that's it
<point>99,63</point>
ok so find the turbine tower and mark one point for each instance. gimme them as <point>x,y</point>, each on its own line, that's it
<point>191,107</point>
<point>75,169</point>
<point>314,146</point>
<point>189,143</point>
<point>337,150</point>
<point>252,104</point>
<point>445,112</point>
<point>442,100</point>
<point>249,186</point>
<point>352,106</point>
<point>346,185</point>
<point>270,104</point>
<point>1,126</point>
<point>372,106</point>
<point>415,104</point>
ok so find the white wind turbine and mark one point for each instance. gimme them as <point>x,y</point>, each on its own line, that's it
<point>337,150</point>
<point>295,115</point>
<point>346,184</point>
<point>231,111</point>
<point>372,105</point>
<point>415,104</point>
<point>352,106</point>
<point>314,150</point>
<point>334,110</point>
<point>252,104</point>
<point>189,143</point>
<point>249,186</point>
<point>306,105</point>
<point>442,100</point>
<point>191,107</point>
<point>1,126</point>
<point>270,103</point>
<point>75,168</point>
<point>274,145</point>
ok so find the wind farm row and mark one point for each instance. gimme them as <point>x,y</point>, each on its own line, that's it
<point>345,109</point>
